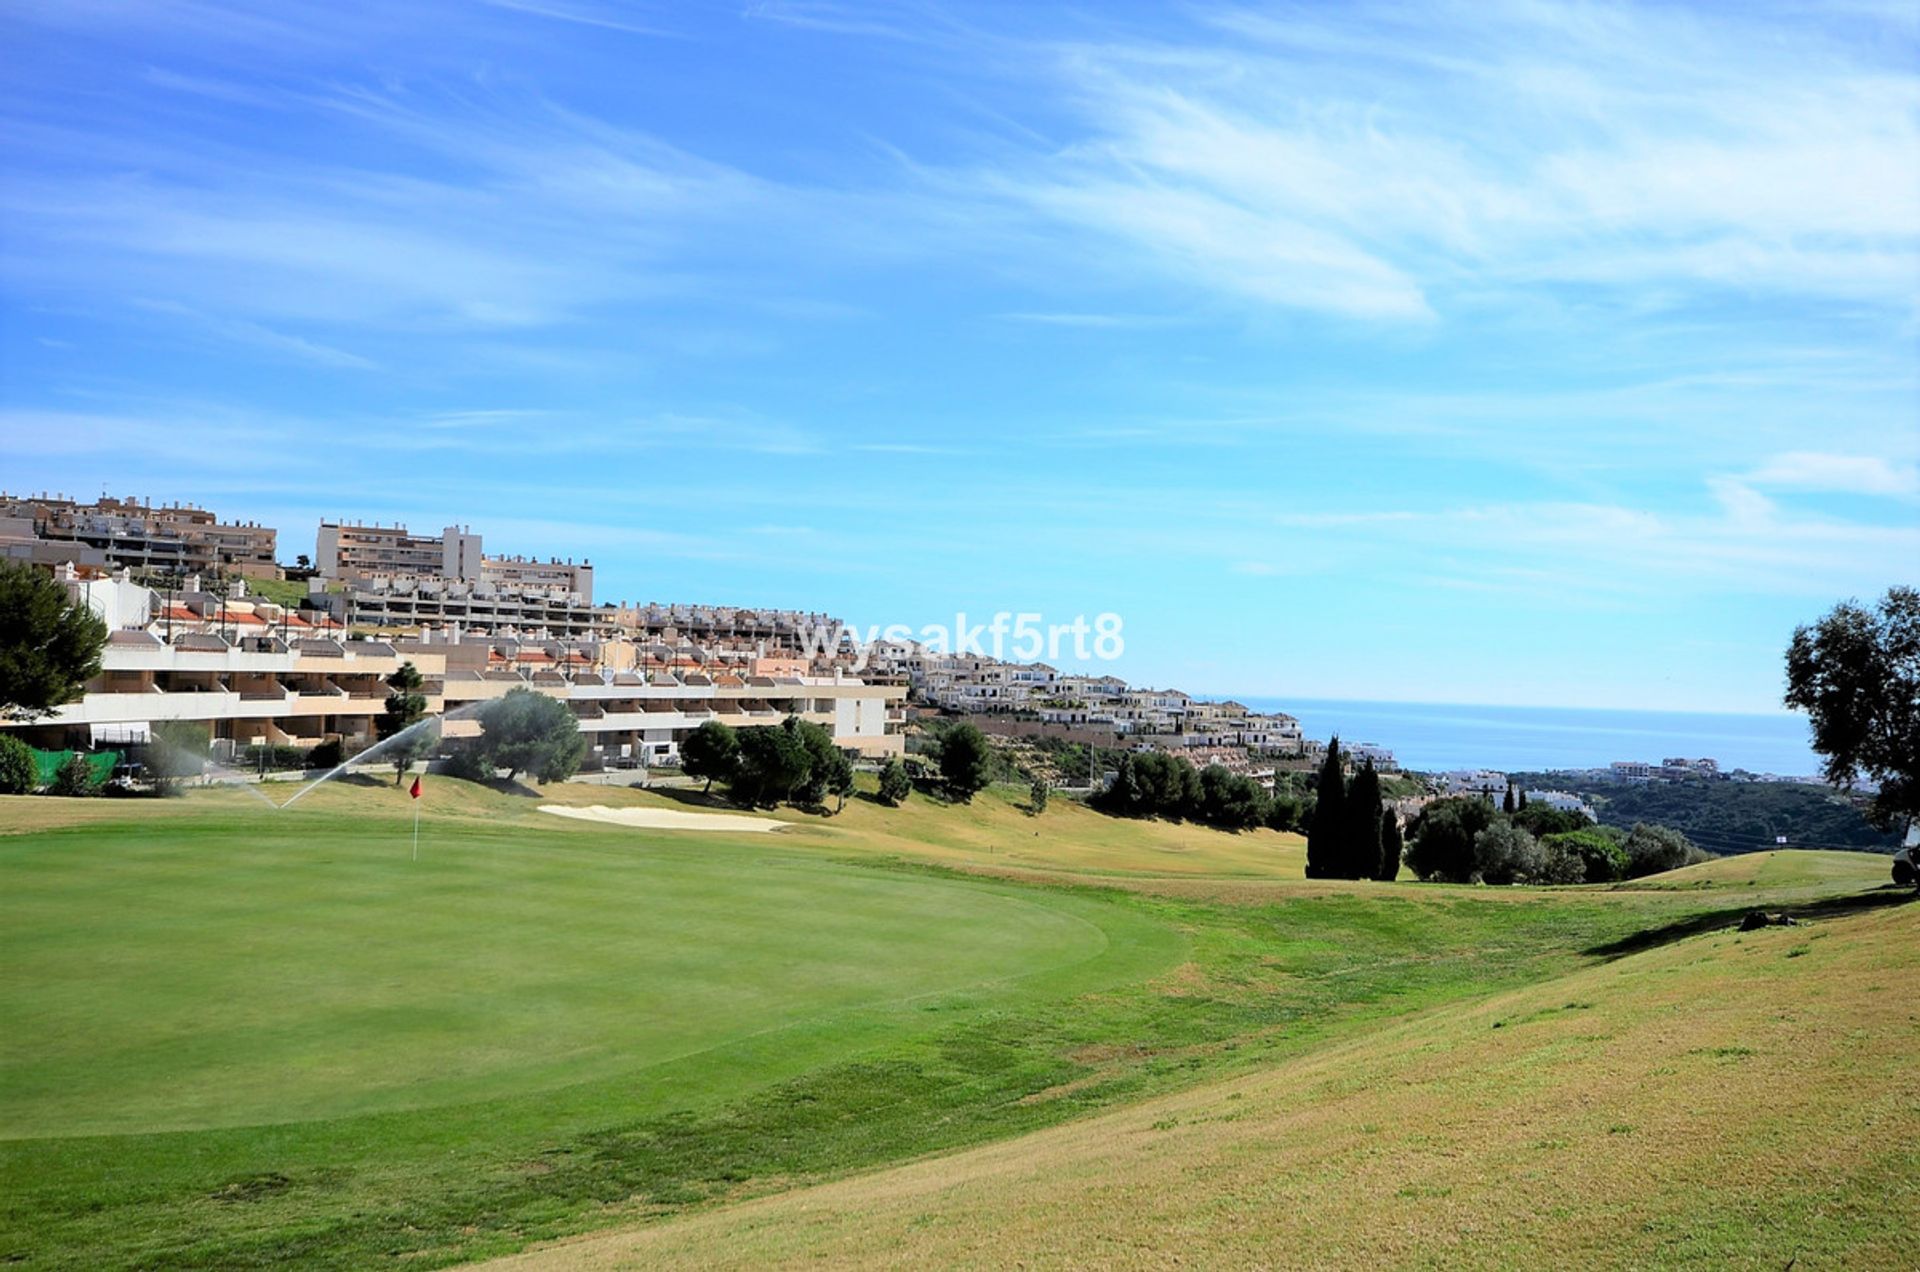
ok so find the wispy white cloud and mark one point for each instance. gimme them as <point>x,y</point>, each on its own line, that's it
<point>1840,474</point>
<point>1380,162</point>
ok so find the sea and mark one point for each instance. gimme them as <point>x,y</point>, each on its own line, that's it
<point>1436,737</point>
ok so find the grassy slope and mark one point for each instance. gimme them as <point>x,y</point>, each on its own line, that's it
<point>1188,989</point>
<point>1725,1100</point>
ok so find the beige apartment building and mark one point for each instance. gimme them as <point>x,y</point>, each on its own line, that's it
<point>234,665</point>
<point>172,539</point>
<point>377,554</point>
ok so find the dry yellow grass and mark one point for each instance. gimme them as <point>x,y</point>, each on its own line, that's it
<point>1724,1101</point>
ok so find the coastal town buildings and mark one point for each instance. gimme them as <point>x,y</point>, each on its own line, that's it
<point>257,674</point>
<point>168,539</point>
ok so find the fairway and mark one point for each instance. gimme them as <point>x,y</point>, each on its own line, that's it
<point>251,966</point>
<point>242,1036</point>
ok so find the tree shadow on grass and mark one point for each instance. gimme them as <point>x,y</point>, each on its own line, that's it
<point>1719,920</point>
<point>694,797</point>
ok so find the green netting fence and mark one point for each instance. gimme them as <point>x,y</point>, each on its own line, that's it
<point>47,763</point>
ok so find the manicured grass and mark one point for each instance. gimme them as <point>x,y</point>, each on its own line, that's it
<point>246,1037</point>
<point>1728,1100</point>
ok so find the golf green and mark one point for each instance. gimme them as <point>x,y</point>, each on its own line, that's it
<point>254,967</point>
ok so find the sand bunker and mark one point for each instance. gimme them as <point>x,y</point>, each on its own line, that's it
<point>664,818</point>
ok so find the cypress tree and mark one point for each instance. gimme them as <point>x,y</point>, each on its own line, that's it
<point>1360,841</point>
<point>1506,804</point>
<point>1329,818</point>
<point>1389,846</point>
<point>1523,797</point>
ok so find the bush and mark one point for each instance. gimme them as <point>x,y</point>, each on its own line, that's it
<point>1560,864</point>
<point>1541,820</point>
<point>1602,858</point>
<point>895,785</point>
<point>17,772</point>
<point>1503,853</point>
<point>328,755</point>
<point>1657,849</point>
<point>1284,811</point>
<point>1440,842</point>
<point>74,778</point>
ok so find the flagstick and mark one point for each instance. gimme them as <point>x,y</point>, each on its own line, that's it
<point>416,828</point>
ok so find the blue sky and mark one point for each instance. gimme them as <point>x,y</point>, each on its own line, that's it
<point>1493,352</point>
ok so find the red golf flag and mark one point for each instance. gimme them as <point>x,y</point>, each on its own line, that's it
<point>416,788</point>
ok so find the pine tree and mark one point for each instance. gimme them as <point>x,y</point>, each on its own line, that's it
<point>1389,846</point>
<point>1325,834</point>
<point>1360,840</point>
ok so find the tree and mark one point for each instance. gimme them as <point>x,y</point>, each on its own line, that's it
<point>773,762</point>
<point>1658,849</point>
<point>406,707</point>
<point>1440,841</point>
<point>895,785</point>
<point>1856,673</point>
<point>528,732</point>
<point>711,751</point>
<point>1037,795</point>
<point>1541,820</point>
<point>50,644</point>
<point>1521,804</point>
<point>966,762</point>
<point>18,774</point>
<point>1329,818</point>
<point>1283,811</point>
<point>1360,836</point>
<point>839,779</point>
<point>1602,858</point>
<point>1506,801</point>
<point>1390,846</point>
<point>74,777</point>
<point>1504,853</point>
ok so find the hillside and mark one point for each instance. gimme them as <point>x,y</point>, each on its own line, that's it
<point>1724,1100</point>
<point>1732,817</point>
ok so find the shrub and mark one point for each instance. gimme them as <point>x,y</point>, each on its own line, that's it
<point>17,773</point>
<point>1541,820</point>
<point>74,778</point>
<point>895,785</point>
<point>1440,843</point>
<point>1284,811</point>
<point>1602,858</point>
<point>1560,864</point>
<point>1657,849</point>
<point>327,755</point>
<point>1503,853</point>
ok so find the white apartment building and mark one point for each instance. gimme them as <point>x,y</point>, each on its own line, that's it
<point>230,665</point>
<point>1475,782</point>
